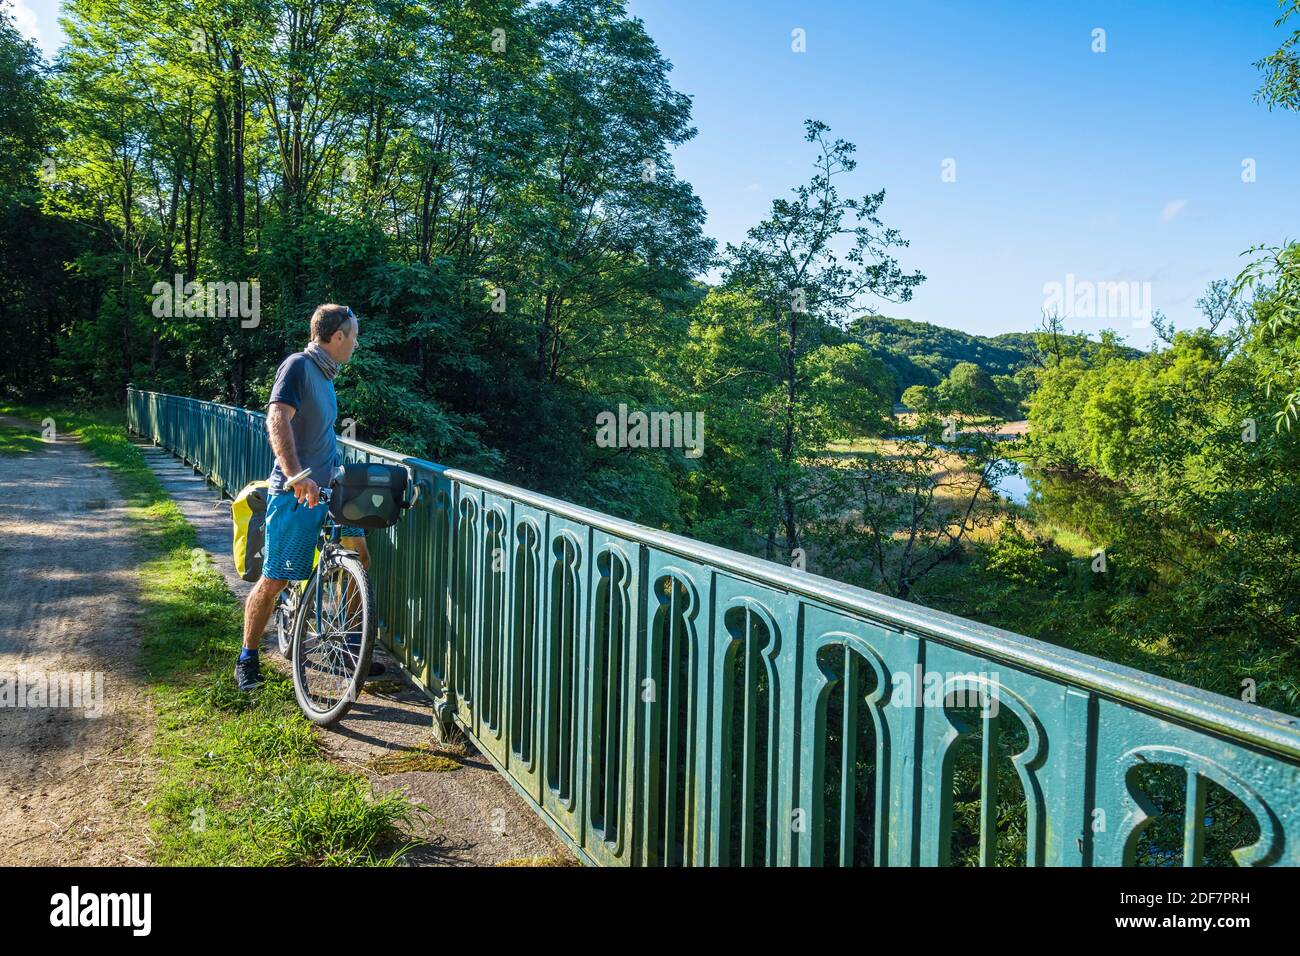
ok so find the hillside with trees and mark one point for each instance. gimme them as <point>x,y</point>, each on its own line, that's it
<point>923,354</point>
<point>918,353</point>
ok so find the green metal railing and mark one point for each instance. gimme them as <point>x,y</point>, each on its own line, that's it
<point>660,701</point>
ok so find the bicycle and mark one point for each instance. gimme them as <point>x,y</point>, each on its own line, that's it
<point>326,625</point>
<point>286,609</point>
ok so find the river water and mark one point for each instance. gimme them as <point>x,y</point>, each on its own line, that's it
<point>1013,486</point>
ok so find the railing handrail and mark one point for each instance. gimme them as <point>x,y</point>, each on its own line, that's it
<point>1252,724</point>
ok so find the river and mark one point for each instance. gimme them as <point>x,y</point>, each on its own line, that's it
<point>1013,485</point>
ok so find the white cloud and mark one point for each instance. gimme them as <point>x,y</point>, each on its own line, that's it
<point>25,19</point>
<point>1172,209</point>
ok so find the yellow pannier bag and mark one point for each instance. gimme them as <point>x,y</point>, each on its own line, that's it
<point>249,511</point>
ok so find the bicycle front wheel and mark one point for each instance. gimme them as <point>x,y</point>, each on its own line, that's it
<point>333,638</point>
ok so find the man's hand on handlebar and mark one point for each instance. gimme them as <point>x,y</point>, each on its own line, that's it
<point>304,489</point>
<point>307,491</point>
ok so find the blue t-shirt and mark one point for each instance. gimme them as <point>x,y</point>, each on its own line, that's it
<point>300,383</point>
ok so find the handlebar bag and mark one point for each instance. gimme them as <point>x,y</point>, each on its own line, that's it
<point>369,495</point>
<point>249,512</point>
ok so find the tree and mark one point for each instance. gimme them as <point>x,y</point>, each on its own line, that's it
<point>1281,68</point>
<point>731,371</point>
<point>900,510</point>
<point>920,398</point>
<point>1013,391</point>
<point>1273,275</point>
<point>1177,430</point>
<point>970,390</point>
<point>805,290</point>
<point>40,299</point>
<point>23,133</point>
<point>488,184</point>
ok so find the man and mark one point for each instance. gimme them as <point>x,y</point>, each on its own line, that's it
<point>300,421</point>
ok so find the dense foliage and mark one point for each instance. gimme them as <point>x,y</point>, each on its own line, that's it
<point>488,184</point>
<point>970,390</point>
<point>1205,506</point>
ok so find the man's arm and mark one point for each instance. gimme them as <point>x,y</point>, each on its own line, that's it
<point>278,417</point>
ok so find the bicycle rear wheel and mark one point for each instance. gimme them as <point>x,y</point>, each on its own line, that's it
<point>331,656</point>
<point>283,617</point>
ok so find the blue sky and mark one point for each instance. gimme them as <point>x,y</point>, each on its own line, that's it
<point>1117,166</point>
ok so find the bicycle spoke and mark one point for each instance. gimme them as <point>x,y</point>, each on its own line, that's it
<point>333,681</point>
<point>333,622</point>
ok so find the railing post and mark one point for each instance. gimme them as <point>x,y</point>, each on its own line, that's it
<point>444,727</point>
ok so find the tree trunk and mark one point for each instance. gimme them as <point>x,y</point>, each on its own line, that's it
<point>789,518</point>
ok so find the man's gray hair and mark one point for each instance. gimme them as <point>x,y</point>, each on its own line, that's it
<point>328,319</point>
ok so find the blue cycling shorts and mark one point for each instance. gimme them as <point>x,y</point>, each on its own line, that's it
<point>292,530</point>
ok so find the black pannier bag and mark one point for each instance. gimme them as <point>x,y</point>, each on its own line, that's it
<point>368,495</point>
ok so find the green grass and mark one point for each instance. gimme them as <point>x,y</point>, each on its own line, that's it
<point>241,779</point>
<point>420,758</point>
<point>18,441</point>
<point>1067,540</point>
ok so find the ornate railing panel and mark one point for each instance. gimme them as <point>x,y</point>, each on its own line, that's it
<point>664,702</point>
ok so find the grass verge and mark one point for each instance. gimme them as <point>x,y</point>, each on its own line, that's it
<point>18,441</point>
<point>240,779</point>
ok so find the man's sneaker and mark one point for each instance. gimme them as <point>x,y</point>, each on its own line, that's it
<point>248,673</point>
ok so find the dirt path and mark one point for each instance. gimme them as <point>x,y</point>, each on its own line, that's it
<point>71,783</point>
<point>474,817</point>
<point>73,779</point>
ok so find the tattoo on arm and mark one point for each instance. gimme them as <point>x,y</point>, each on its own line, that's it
<point>278,417</point>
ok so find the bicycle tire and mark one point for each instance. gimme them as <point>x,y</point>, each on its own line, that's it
<point>328,710</point>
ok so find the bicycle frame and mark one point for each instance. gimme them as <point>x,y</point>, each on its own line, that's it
<point>328,540</point>
<point>328,543</point>
<point>330,533</point>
